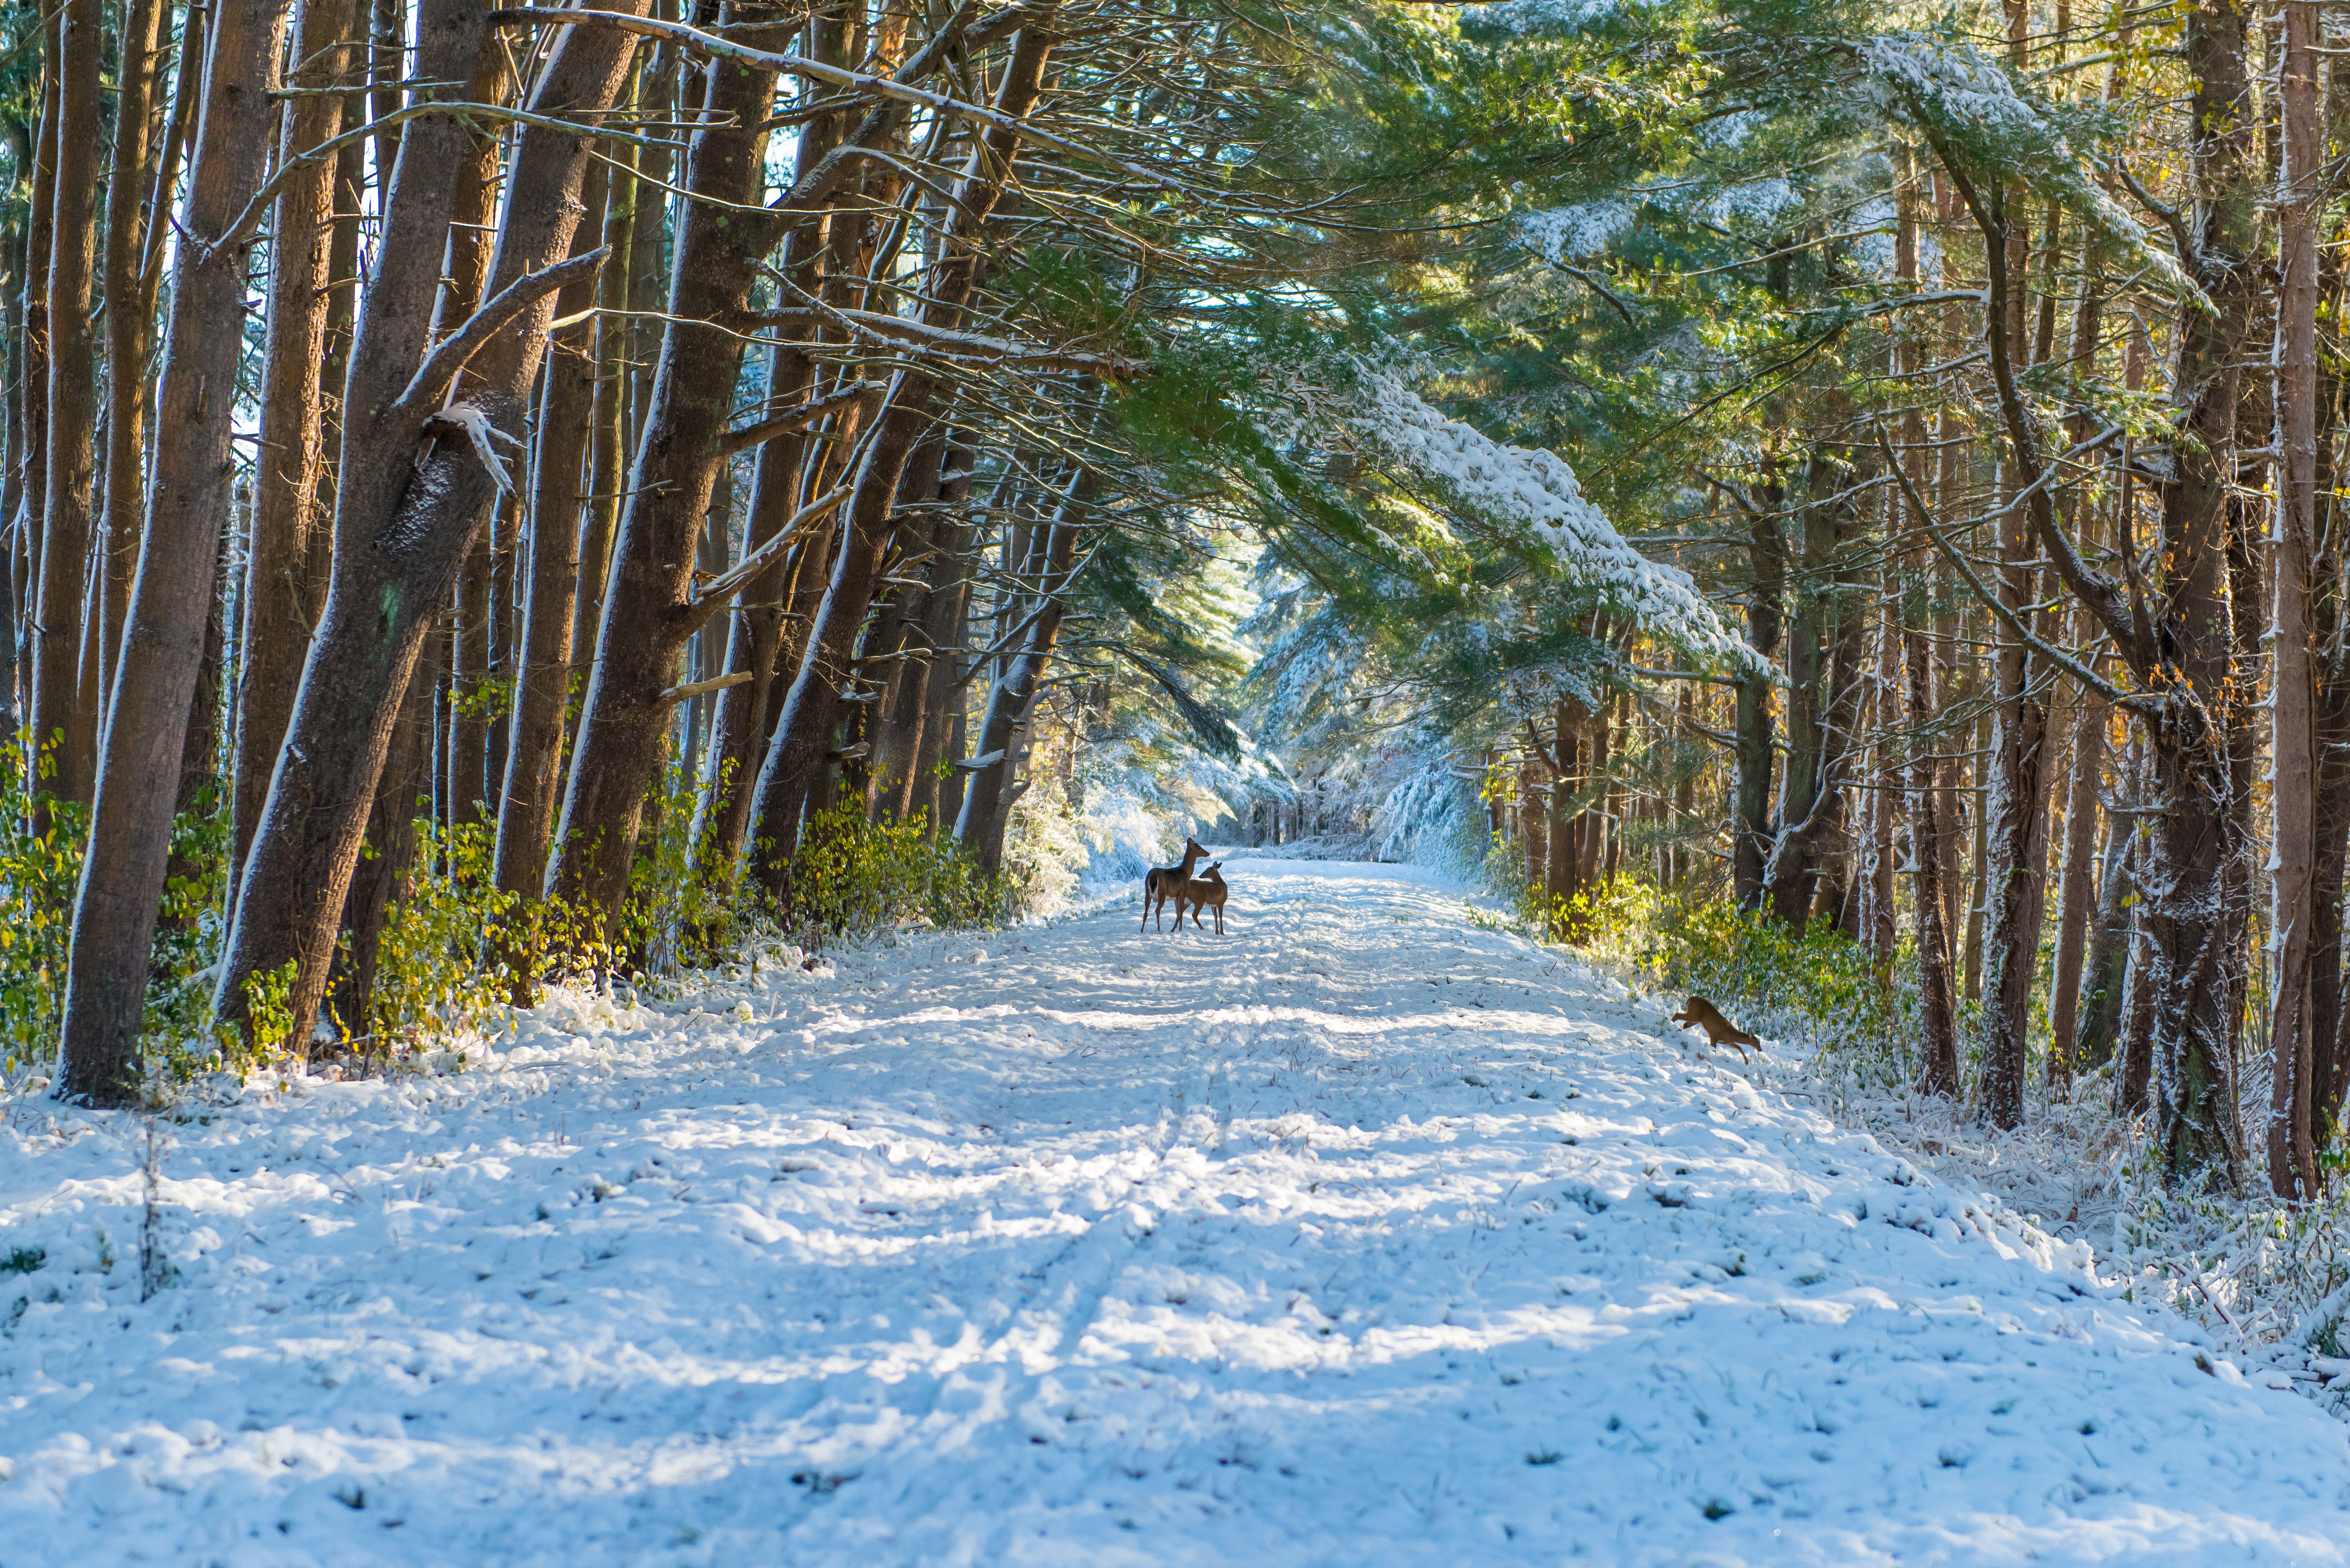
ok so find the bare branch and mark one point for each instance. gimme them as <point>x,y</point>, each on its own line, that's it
<point>445,363</point>
<point>744,437</point>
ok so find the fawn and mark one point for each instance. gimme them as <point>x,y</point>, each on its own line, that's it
<point>1164,882</point>
<point>1702,1014</point>
<point>1206,891</point>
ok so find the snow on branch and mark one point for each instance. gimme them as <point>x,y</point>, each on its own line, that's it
<point>1536,491</point>
<point>1965,99</point>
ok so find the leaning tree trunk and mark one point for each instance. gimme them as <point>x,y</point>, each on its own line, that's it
<point>652,606</point>
<point>416,482</point>
<point>464,781</point>
<point>146,733</point>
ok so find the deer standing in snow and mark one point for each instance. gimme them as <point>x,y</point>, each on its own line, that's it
<point>1205,891</point>
<point>1161,883</point>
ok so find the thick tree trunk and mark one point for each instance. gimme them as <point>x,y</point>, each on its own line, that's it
<point>281,597</point>
<point>2187,857</point>
<point>63,713</point>
<point>146,733</point>
<point>652,606</point>
<point>543,668</point>
<point>413,491</point>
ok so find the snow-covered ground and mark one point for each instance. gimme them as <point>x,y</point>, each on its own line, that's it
<point>1357,1236</point>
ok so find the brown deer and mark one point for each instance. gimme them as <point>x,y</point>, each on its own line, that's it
<point>1699,1013</point>
<point>1205,891</point>
<point>1161,883</point>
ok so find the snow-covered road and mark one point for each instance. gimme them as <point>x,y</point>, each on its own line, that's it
<point>1360,1236</point>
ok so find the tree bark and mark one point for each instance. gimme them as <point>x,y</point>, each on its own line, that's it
<point>796,759</point>
<point>281,597</point>
<point>651,606</point>
<point>413,491</point>
<point>2293,1040</point>
<point>2077,890</point>
<point>1011,705</point>
<point>543,672</point>
<point>146,733</point>
<point>127,313</point>
<point>466,785</point>
<point>1754,833</point>
<point>63,715</point>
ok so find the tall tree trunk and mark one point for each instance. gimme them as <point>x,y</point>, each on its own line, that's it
<point>1753,832</point>
<point>414,488</point>
<point>542,670</point>
<point>465,785</point>
<point>2293,919</point>
<point>2077,890</point>
<point>281,597</point>
<point>796,759</point>
<point>146,733</point>
<point>1011,706</point>
<point>2014,825</point>
<point>33,400</point>
<point>608,449</point>
<point>1804,788</point>
<point>652,606</point>
<point>128,313</point>
<point>1937,1000</point>
<point>62,713</point>
<point>2077,880</point>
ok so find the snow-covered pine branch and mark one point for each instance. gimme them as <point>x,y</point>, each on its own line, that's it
<point>1967,98</point>
<point>1536,492</point>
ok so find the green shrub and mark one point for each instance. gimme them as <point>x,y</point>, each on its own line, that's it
<point>1839,994</point>
<point>38,873</point>
<point>853,877</point>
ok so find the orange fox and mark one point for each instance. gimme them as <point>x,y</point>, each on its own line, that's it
<point>1702,1014</point>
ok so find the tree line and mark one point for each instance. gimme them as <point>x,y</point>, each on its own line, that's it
<point>423,413</point>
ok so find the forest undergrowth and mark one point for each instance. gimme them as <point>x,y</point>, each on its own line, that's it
<point>2267,1279</point>
<point>456,956</point>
